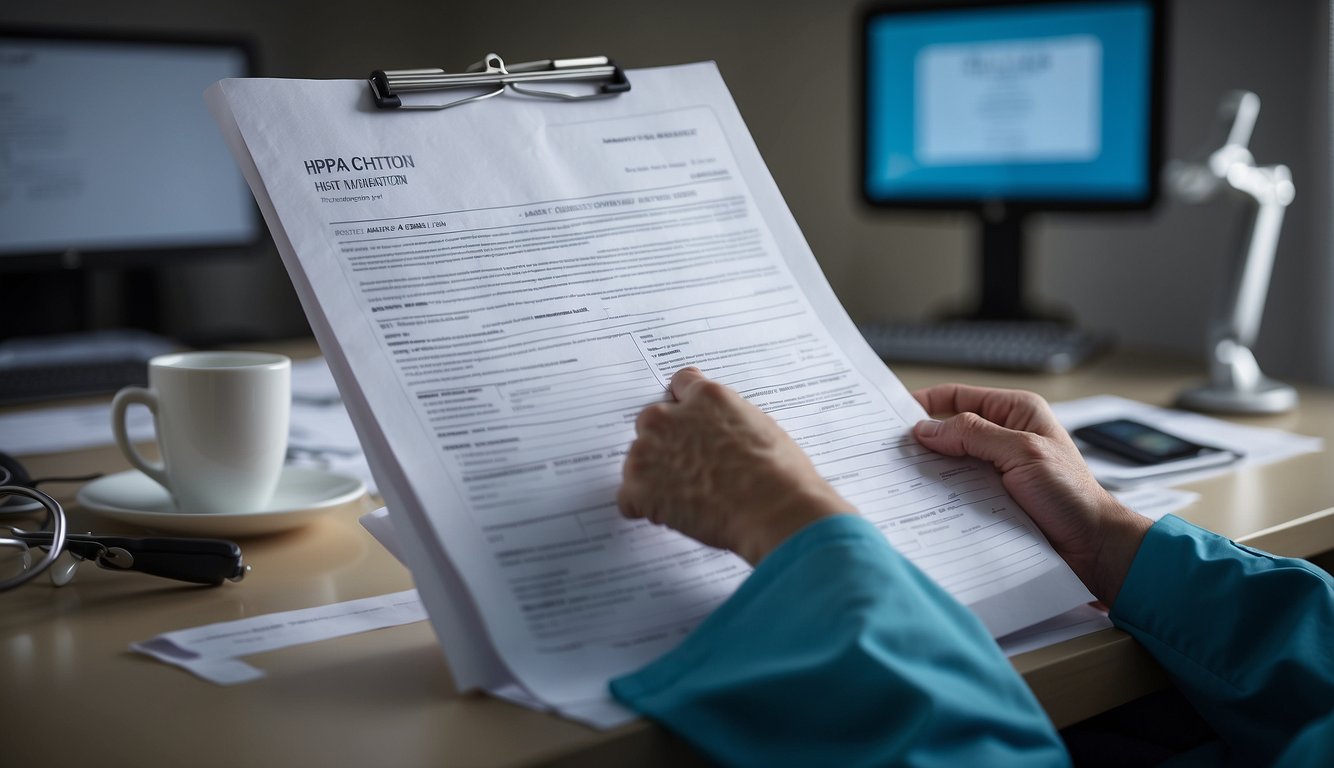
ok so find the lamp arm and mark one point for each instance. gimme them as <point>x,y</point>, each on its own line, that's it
<point>1272,189</point>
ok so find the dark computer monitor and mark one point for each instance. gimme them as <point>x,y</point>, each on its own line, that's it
<point>109,160</point>
<point>1011,107</point>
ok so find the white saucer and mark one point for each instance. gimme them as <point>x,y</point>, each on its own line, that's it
<point>303,493</point>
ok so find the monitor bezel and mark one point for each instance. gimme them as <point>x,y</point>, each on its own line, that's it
<point>1012,206</point>
<point>147,255</point>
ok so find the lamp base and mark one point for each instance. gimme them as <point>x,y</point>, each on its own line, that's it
<point>1264,396</point>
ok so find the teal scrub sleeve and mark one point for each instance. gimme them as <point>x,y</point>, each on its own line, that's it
<point>838,651</point>
<point>1247,637</point>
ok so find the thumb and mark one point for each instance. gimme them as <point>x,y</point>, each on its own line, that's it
<point>968,434</point>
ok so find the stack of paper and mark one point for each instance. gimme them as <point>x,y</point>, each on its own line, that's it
<point>501,287</point>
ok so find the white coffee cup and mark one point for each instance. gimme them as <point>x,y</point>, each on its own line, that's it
<point>221,421</point>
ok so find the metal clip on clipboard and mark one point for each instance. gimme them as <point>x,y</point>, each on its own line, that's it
<point>386,85</point>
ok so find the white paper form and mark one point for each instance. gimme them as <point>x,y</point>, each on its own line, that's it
<point>501,288</point>
<point>214,651</point>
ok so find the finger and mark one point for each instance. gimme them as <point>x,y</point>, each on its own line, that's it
<point>625,502</point>
<point>923,398</point>
<point>684,380</point>
<point>969,434</point>
<point>950,398</point>
<point>654,417</point>
<point>1011,408</point>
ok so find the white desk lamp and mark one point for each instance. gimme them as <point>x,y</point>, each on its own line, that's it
<point>1236,384</point>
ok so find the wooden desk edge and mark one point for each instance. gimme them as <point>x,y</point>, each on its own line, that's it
<point>1303,537</point>
<point>1084,676</point>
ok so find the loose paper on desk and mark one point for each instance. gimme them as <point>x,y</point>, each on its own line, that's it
<point>1251,445</point>
<point>500,288</point>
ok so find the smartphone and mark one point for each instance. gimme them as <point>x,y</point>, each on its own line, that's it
<point>1138,442</point>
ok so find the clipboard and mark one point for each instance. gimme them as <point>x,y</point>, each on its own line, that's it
<point>491,72</point>
<point>637,235</point>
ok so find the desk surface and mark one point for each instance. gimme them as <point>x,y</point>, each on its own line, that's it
<point>72,691</point>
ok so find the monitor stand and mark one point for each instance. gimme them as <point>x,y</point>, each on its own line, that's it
<point>50,346</point>
<point>1003,331</point>
<point>1001,271</point>
<point>64,301</point>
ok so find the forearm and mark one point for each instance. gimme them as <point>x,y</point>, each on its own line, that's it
<point>838,651</point>
<point>1244,635</point>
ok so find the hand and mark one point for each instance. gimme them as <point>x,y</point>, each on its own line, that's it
<point>1042,469</point>
<point>721,471</point>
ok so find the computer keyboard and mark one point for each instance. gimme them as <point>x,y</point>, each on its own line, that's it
<point>98,362</point>
<point>1008,345</point>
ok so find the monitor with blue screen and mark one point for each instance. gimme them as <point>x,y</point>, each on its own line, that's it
<point>1007,108</point>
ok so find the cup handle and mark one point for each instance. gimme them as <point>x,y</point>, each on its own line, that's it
<point>123,400</point>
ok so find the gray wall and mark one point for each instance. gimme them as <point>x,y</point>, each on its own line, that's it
<point>1150,278</point>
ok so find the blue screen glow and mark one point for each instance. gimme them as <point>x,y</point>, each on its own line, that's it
<point>1046,102</point>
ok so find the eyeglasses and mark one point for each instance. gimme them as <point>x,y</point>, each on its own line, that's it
<point>16,566</point>
<point>198,561</point>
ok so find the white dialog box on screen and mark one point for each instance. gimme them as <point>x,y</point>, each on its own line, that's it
<point>1035,101</point>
